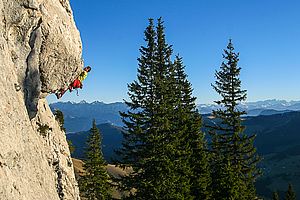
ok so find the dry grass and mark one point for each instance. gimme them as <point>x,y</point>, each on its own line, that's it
<point>112,170</point>
<point>77,164</point>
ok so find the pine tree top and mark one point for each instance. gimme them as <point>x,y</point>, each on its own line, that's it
<point>290,194</point>
<point>228,83</point>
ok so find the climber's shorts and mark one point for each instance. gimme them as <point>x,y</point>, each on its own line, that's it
<point>76,84</point>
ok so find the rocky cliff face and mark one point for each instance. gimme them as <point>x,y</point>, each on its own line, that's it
<point>40,52</point>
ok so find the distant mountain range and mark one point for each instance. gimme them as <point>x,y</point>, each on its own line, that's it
<point>259,107</point>
<point>79,116</point>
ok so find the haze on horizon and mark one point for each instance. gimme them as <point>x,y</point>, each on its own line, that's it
<point>265,33</point>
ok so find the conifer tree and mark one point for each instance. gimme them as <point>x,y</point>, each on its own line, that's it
<point>275,196</point>
<point>290,194</point>
<point>148,147</point>
<point>141,92</point>
<point>155,142</point>
<point>233,150</point>
<point>94,185</point>
<point>189,124</point>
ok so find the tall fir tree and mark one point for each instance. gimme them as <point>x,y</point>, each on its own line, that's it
<point>290,193</point>
<point>148,146</point>
<point>141,93</point>
<point>234,152</point>
<point>154,139</point>
<point>94,185</point>
<point>189,123</point>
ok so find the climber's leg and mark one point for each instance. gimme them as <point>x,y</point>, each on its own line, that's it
<point>61,93</point>
<point>70,88</point>
<point>58,95</point>
<point>76,84</point>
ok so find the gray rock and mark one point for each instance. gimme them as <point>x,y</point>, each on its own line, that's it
<point>40,52</point>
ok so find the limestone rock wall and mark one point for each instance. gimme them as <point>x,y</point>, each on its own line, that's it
<point>40,52</point>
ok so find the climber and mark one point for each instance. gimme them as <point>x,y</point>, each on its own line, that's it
<point>77,83</point>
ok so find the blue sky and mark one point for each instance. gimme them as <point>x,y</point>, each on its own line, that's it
<point>265,32</point>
